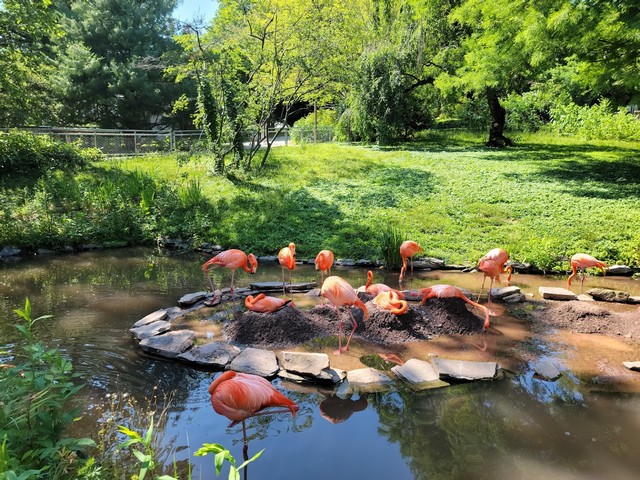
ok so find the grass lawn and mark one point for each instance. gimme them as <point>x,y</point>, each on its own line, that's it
<point>543,200</point>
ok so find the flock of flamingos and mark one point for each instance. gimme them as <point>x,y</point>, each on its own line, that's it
<point>239,396</point>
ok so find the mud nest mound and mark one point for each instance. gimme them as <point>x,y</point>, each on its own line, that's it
<point>289,326</point>
<point>587,317</point>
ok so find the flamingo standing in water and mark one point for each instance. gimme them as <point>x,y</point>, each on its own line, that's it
<point>390,300</point>
<point>584,261</point>
<point>231,259</point>
<point>263,304</point>
<point>287,259</point>
<point>408,249</point>
<point>449,291</point>
<point>338,291</point>
<point>492,265</point>
<point>239,396</point>
<point>324,262</point>
<point>376,288</point>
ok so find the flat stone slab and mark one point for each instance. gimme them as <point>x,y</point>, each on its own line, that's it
<point>214,354</point>
<point>368,380</point>
<point>331,375</point>
<point>273,286</point>
<point>515,298</point>
<point>607,295</point>
<point>255,361</point>
<point>500,293</point>
<point>465,369</point>
<point>419,374</point>
<point>635,366</point>
<point>634,300</point>
<point>547,370</point>
<point>150,329</point>
<point>620,270</point>
<point>191,298</point>
<point>152,317</point>
<point>170,344</point>
<point>557,293</point>
<point>583,297</point>
<point>304,363</point>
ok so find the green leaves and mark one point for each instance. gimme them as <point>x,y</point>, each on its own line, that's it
<point>221,455</point>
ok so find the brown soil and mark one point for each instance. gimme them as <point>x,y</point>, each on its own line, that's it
<point>290,326</point>
<point>588,317</point>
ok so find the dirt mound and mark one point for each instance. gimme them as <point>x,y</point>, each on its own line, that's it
<point>290,326</point>
<point>587,317</point>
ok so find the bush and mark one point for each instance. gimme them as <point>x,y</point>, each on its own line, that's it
<point>23,152</point>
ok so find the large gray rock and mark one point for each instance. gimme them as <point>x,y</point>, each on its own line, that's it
<point>419,374</point>
<point>9,251</point>
<point>428,263</point>
<point>620,270</point>
<point>255,361</point>
<point>152,317</point>
<point>465,369</point>
<point>170,344</point>
<point>191,298</point>
<point>150,329</point>
<point>306,364</point>
<point>606,295</point>
<point>634,299</point>
<point>274,286</point>
<point>368,380</point>
<point>515,298</point>
<point>556,293</point>
<point>500,293</point>
<point>346,262</point>
<point>583,297</point>
<point>214,354</point>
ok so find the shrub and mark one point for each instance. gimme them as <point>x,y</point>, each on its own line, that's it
<point>22,152</point>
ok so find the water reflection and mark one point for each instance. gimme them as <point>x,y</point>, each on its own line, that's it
<point>338,410</point>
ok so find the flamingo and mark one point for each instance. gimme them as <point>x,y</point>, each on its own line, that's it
<point>324,262</point>
<point>287,259</point>
<point>231,259</point>
<point>407,250</point>
<point>239,396</point>
<point>449,291</point>
<point>492,265</point>
<point>584,261</point>
<point>264,304</point>
<point>338,291</point>
<point>390,300</point>
<point>377,288</point>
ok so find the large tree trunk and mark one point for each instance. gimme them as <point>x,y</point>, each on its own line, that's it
<point>498,116</point>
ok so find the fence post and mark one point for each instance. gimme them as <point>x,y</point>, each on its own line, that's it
<point>173,140</point>
<point>95,138</point>
<point>135,142</point>
<point>286,136</point>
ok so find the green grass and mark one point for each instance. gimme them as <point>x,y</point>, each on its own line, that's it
<point>543,200</point>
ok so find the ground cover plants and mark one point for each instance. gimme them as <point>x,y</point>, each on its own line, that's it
<point>542,200</point>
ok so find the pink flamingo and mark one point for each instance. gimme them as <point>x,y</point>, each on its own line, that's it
<point>339,293</point>
<point>324,262</point>
<point>231,259</point>
<point>449,291</point>
<point>287,259</point>
<point>376,288</point>
<point>408,249</point>
<point>263,304</point>
<point>584,261</point>
<point>492,265</point>
<point>390,300</point>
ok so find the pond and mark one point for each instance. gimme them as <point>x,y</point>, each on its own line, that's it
<point>580,426</point>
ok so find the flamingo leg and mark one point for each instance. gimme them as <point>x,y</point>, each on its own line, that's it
<point>482,287</point>
<point>283,292</point>
<point>355,325</point>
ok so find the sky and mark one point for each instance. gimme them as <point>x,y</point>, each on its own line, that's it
<point>188,9</point>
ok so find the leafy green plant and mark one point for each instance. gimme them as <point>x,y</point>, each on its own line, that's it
<point>146,457</point>
<point>35,393</point>
<point>221,455</point>
<point>390,240</point>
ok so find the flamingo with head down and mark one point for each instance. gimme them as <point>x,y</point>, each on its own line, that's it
<point>263,304</point>
<point>376,288</point>
<point>287,259</point>
<point>492,265</point>
<point>231,259</point>
<point>584,261</point>
<point>339,292</point>
<point>390,300</point>
<point>408,249</point>
<point>324,262</point>
<point>449,291</point>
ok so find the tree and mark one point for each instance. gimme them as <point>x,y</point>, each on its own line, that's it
<point>112,70</point>
<point>28,33</point>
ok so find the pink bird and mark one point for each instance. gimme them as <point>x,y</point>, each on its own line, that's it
<point>287,259</point>
<point>231,259</point>
<point>263,304</point>
<point>324,262</point>
<point>376,288</point>
<point>584,261</point>
<point>339,293</point>
<point>408,249</point>
<point>391,301</point>
<point>449,291</point>
<point>239,396</point>
<point>492,265</point>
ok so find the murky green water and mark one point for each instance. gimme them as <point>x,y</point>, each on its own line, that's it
<point>516,427</point>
